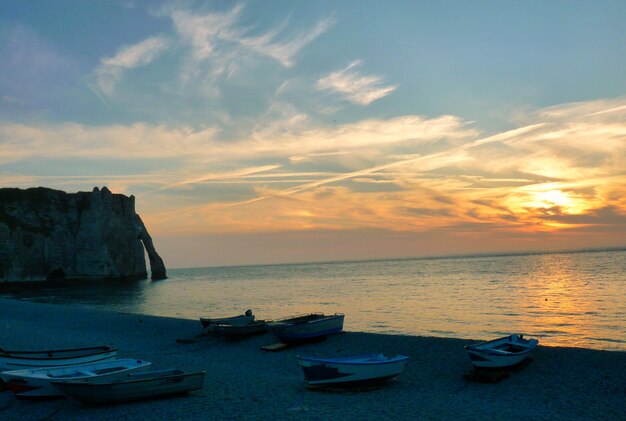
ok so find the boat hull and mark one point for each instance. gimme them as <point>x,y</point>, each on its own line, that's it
<point>147,385</point>
<point>307,328</point>
<point>37,383</point>
<point>501,353</point>
<point>17,360</point>
<point>250,329</point>
<point>351,372</point>
<point>233,321</point>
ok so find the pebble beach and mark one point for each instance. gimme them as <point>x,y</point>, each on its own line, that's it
<point>245,383</point>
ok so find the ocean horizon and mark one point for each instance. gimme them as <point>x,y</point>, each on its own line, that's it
<point>423,257</point>
<point>566,298</point>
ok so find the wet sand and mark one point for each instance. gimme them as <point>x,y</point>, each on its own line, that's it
<point>243,382</point>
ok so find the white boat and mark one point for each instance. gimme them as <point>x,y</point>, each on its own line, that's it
<point>306,327</point>
<point>37,383</point>
<point>16,360</point>
<point>240,320</point>
<point>502,352</point>
<point>135,386</point>
<point>364,370</point>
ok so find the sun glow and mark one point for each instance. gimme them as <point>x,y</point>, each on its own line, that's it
<point>566,202</point>
<point>552,198</point>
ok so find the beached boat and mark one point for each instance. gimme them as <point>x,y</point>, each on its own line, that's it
<point>37,383</point>
<point>502,352</point>
<point>306,327</point>
<point>242,319</point>
<point>364,370</point>
<point>135,386</point>
<point>16,360</point>
<point>234,331</point>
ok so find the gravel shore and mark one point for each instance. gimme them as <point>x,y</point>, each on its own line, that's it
<point>245,383</point>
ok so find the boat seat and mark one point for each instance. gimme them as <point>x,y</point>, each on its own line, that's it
<point>69,375</point>
<point>108,370</point>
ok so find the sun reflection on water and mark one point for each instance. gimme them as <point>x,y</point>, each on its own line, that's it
<point>574,299</point>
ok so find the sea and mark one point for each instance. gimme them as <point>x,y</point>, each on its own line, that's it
<point>573,299</point>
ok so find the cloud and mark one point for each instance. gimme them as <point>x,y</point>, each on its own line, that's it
<point>205,32</point>
<point>302,139</point>
<point>70,140</point>
<point>221,37</point>
<point>560,170</point>
<point>111,69</point>
<point>354,87</point>
<point>285,51</point>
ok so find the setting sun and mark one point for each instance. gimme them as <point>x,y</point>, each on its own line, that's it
<point>552,198</point>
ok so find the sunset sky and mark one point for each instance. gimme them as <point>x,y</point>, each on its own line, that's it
<point>293,131</point>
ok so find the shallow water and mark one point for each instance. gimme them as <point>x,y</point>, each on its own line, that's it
<point>569,299</point>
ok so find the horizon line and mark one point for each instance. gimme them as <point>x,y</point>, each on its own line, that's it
<point>432,257</point>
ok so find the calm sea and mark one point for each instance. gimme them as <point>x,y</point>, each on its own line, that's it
<point>569,299</point>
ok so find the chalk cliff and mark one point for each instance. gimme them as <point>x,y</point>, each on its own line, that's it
<point>49,234</point>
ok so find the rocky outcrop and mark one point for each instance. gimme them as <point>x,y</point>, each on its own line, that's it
<point>52,235</point>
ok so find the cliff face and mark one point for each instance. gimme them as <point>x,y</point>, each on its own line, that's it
<point>48,234</point>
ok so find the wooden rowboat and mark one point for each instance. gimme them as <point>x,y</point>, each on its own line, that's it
<point>16,360</point>
<point>364,370</point>
<point>37,383</point>
<point>234,331</point>
<point>306,327</point>
<point>240,320</point>
<point>502,352</point>
<point>136,386</point>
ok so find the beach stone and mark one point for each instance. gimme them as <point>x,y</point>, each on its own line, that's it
<point>51,235</point>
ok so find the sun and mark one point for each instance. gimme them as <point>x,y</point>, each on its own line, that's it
<point>553,198</point>
<point>567,203</point>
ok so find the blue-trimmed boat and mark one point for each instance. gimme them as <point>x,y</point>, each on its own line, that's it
<point>306,327</point>
<point>502,352</point>
<point>17,360</point>
<point>364,370</point>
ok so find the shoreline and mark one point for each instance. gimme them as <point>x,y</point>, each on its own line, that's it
<point>244,382</point>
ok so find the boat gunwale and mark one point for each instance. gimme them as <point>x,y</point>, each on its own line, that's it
<point>41,354</point>
<point>355,360</point>
<point>209,322</point>
<point>183,374</point>
<point>74,370</point>
<point>306,318</point>
<point>530,344</point>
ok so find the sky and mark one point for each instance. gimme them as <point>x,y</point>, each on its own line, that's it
<point>259,132</point>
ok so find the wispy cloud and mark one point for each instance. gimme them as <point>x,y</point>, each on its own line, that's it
<point>355,87</point>
<point>68,140</point>
<point>111,69</point>
<point>269,44</point>
<point>506,182</point>
<point>204,32</point>
<point>404,173</point>
<point>221,36</point>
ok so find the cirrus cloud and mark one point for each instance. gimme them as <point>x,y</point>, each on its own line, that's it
<point>355,87</point>
<point>111,69</point>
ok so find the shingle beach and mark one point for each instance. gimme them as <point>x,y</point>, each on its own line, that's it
<point>245,383</point>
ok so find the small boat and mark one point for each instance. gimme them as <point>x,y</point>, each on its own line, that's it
<point>37,383</point>
<point>234,331</point>
<point>306,327</point>
<point>364,370</point>
<point>16,360</point>
<point>503,352</point>
<point>242,319</point>
<point>135,386</point>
